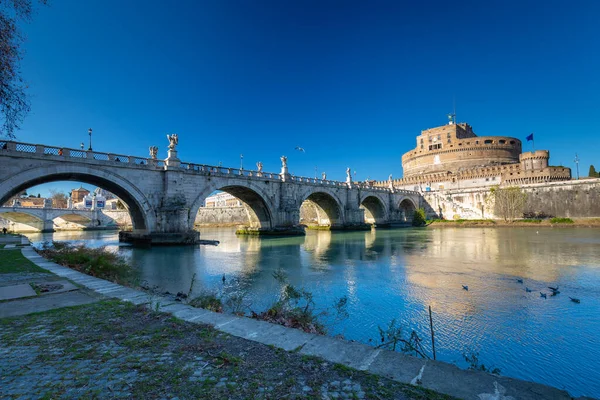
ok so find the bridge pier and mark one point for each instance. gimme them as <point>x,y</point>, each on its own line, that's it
<point>48,226</point>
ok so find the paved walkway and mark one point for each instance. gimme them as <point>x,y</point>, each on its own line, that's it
<point>437,376</point>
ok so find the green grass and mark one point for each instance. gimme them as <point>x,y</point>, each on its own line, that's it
<point>2,246</point>
<point>12,261</point>
<point>561,221</point>
<point>530,221</point>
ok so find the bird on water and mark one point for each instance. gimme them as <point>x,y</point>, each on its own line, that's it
<point>465,287</point>
<point>543,295</point>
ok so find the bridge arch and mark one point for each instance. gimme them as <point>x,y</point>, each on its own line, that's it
<point>142,217</point>
<point>406,208</point>
<point>254,199</point>
<point>23,217</point>
<point>375,210</point>
<point>323,206</point>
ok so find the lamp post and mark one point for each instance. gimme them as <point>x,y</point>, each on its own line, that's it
<point>316,172</point>
<point>241,161</point>
<point>577,165</point>
<point>90,133</point>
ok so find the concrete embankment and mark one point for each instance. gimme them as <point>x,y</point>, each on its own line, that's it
<point>437,376</point>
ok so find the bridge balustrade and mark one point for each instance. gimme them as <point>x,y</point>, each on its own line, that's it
<point>160,164</point>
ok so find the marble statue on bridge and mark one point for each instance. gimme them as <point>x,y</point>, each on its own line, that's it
<point>173,141</point>
<point>154,151</point>
<point>283,162</point>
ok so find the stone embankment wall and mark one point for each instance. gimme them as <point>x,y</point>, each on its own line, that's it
<point>221,216</point>
<point>572,199</point>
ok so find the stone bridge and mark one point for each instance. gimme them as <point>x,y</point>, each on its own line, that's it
<point>163,196</point>
<point>43,219</point>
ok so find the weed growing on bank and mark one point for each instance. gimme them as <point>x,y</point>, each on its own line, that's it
<point>98,262</point>
<point>208,300</point>
<point>472,358</point>
<point>296,308</point>
<point>392,338</point>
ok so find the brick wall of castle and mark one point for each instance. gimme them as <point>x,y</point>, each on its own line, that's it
<point>456,147</point>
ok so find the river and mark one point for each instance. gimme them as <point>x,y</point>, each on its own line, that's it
<point>398,273</point>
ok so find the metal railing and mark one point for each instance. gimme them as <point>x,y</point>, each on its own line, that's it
<point>150,163</point>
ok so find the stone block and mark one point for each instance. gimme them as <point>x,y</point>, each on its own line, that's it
<point>396,366</point>
<point>352,354</point>
<point>16,291</point>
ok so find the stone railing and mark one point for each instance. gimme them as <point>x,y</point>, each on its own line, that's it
<point>150,163</point>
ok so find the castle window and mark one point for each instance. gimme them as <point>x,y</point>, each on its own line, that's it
<point>502,141</point>
<point>512,142</point>
<point>489,141</point>
<point>439,137</point>
<point>449,136</point>
<point>477,142</point>
<point>435,146</point>
<point>460,144</point>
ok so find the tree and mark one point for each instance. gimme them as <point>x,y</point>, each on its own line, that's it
<point>508,202</point>
<point>14,105</point>
<point>419,218</point>
<point>59,199</point>
<point>593,173</point>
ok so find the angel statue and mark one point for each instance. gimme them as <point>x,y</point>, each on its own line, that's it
<point>284,161</point>
<point>259,166</point>
<point>324,176</point>
<point>390,178</point>
<point>173,141</point>
<point>348,175</point>
<point>153,152</point>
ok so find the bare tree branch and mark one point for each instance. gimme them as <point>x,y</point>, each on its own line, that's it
<point>14,105</point>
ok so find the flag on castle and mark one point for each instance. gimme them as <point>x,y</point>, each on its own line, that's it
<point>530,137</point>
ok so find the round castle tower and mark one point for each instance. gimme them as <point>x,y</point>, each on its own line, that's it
<point>455,147</point>
<point>534,160</point>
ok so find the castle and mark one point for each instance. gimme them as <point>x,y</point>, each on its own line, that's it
<point>454,157</point>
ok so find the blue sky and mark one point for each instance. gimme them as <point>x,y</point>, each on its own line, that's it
<point>353,83</point>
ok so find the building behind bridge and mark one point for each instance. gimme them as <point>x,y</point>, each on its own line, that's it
<point>454,157</point>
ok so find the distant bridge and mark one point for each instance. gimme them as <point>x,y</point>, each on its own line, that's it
<point>43,219</point>
<point>163,196</point>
